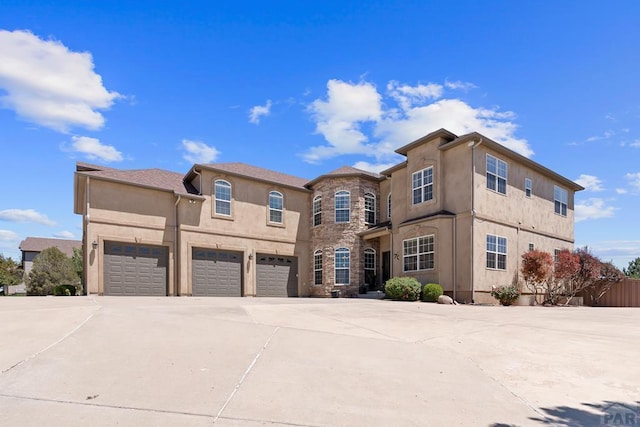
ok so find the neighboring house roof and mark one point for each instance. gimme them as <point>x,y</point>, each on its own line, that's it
<point>345,171</point>
<point>38,244</point>
<point>153,178</point>
<point>253,172</point>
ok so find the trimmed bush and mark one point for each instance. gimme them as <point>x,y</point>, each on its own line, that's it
<point>64,290</point>
<point>431,292</point>
<point>403,289</point>
<point>507,295</point>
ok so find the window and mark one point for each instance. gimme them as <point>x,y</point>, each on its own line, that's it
<point>317,268</point>
<point>527,187</point>
<point>275,207</point>
<point>496,252</point>
<point>556,255</point>
<point>496,175</point>
<point>389,206</point>
<point>317,210</point>
<point>343,210</point>
<point>369,208</point>
<point>531,247</point>
<point>560,198</point>
<point>422,184</point>
<point>419,253</point>
<point>369,266</point>
<point>222,194</point>
<point>342,266</point>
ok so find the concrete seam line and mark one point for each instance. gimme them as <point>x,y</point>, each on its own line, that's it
<point>64,337</point>
<point>244,376</point>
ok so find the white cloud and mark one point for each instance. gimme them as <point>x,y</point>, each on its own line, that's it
<point>590,182</point>
<point>258,111</point>
<point>64,235</point>
<point>25,215</point>
<point>608,134</point>
<point>50,85</point>
<point>373,167</point>
<point>621,191</point>
<point>94,149</point>
<point>407,96</point>
<point>593,209</point>
<point>459,85</point>
<point>8,236</point>
<point>634,180</point>
<point>354,119</point>
<point>199,152</point>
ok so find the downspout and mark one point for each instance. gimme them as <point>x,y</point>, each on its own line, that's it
<point>455,263</point>
<point>473,211</point>
<point>176,250</point>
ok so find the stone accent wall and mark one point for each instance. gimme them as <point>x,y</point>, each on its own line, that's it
<point>330,235</point>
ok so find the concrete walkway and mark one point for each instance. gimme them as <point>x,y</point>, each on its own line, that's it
<point>100,361</point>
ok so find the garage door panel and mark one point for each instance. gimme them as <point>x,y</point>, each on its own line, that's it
<point>135,269</point>
<point>216,273</point>
<point>277,276</point>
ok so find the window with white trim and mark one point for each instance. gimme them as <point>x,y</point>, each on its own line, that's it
<point>560,200</point>
<point>531,247</point>
<point>389,206</point>
<point>419,253</point>
<point>528,188</point>
<point>556,255</point>
<point>317,210</point>
<point>422,185</point>
<point>369,208</point>
<point>496,174</point>
<point>343,206</point>
<point>222,196</point>
<point>276,207</point>
<point>496,252</point>
<point>342,266</point>
<point>369,265</point>
<point>317,267</point>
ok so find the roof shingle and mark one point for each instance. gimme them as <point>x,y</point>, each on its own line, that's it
<point>38,244</point>
<point>255,172</point>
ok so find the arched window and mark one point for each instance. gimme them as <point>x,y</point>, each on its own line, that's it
<point>222,196</point>
<point>317,267</point>
<point>317,210</point>
<point>275,207</point>
<point>389,206</point>
<point>369,208</point>
<point>369,266</point>
<point>342,262</point>
<point>343,206</point>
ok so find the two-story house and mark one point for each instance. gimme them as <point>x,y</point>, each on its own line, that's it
<point>459,211</point>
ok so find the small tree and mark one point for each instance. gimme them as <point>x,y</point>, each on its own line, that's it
<point>51,268</point>
<point>10,272</point>
<point>537,270</point>
<point>565,271</point>
<point>609,276</point>
<point>633,270</point>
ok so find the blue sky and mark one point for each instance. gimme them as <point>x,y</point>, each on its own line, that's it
<point>306,87</point>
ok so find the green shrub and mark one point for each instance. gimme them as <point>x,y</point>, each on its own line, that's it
<point>64,290</point>
<point>403,289</point>
<point>431,292</point>
<point>505,294</point>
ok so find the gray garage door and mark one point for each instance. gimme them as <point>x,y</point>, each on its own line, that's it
<point>216,273</point>
<point>276,276</point>
<point>131,269</point>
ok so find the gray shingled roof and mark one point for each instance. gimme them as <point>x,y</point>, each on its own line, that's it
<point>255,172</point>
<point>154,178</point>
<point>38,244</point>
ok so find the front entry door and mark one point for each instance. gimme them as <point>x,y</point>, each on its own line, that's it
<point>386,266</point>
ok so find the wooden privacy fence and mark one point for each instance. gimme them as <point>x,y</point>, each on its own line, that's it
<point>622,294</point>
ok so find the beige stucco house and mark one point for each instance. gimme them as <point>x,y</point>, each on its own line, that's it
<point>459,211</point>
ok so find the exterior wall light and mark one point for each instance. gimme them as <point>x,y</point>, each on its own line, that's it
<point>94,245</point>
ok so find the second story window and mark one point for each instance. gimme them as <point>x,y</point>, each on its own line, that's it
<point>369,208</point>
<point>343,208</point>
<point>275,207</point>
<point>496,174</point>
<point>317,210</point>
<point>422,185</point>
<point>222,195</point>
<point>560,200</point>
<point>527,187</point>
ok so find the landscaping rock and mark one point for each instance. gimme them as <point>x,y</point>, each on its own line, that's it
<point>444,299</point>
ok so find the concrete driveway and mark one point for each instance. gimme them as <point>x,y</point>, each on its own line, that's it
<point>80,361</point>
